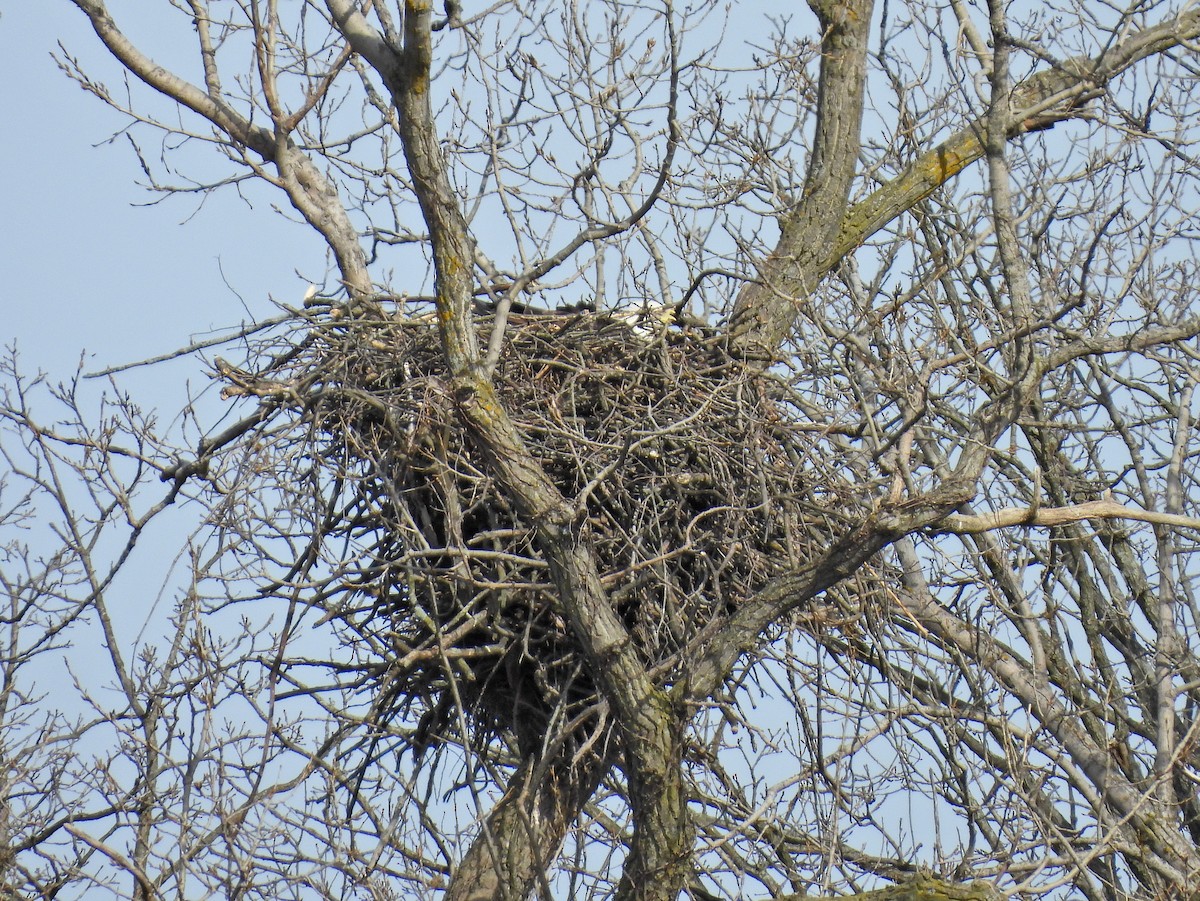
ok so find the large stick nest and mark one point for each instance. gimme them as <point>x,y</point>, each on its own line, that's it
<point>699,478</point>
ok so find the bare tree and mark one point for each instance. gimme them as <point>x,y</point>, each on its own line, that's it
<point>771,473</point>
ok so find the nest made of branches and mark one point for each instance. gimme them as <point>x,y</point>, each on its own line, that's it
<point>697,477</point>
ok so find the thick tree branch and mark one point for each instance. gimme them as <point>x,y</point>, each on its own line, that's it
<point>766,311</point>
<point>1050,517</point>
<point>1040,101</point>
<point>526,829</point>
<point>922,888</point>
<point>650,724</point>
<point>310,192</point>
<point>713,654</point>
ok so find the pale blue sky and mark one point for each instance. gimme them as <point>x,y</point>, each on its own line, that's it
<point>85,268</point>
<point>89,270</point>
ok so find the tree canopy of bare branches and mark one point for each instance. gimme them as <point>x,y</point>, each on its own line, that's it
<point>728,456</point>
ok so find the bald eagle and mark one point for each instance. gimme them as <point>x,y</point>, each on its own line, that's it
<point>647,320</point>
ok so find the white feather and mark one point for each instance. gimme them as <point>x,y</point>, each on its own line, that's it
<point>648,319</point>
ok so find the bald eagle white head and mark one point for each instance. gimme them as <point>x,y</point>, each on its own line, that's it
<point>647,320</point>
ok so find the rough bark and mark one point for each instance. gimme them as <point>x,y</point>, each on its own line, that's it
<point>766,309</point>
<point>810,245</point>
<point>921,888</point>
<point>650,726</point>
<point>525,830</point>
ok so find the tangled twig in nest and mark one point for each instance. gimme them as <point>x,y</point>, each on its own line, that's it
<point>695,479</point>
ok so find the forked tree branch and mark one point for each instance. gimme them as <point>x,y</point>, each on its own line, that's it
<point>766,310</point>
<point>310,192</point>
<point>651,726</point>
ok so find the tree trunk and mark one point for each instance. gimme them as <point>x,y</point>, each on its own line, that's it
<point>523,834</point>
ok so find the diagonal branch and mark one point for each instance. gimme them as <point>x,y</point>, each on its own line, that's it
<point>1050,517</point>
<point>311,193</point>
<point>650,722</point>
<point>765,311</point>
<point>1040,101</point>
<point>1129,801</point>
